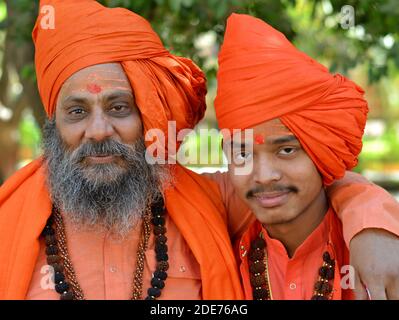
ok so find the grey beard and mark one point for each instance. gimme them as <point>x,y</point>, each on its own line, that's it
<point>111,197</point>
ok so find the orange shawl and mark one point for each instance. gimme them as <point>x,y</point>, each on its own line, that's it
<point>25,206</point>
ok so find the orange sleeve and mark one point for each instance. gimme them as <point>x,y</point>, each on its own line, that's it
<point>361,204</point>
<point>239,215</point>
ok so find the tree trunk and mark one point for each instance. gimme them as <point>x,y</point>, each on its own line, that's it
<point>18,54</point>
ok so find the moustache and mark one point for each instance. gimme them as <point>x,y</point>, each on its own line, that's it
<point>103,148</point>
<point>272,188</point>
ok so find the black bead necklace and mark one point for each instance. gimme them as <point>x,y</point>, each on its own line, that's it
<point>259,273</point>
<point>65,280</point>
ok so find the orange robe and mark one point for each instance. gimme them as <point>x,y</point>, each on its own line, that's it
<point>358,203</point>
<point>25,206</point>
<point>294,278</point>
<point>105,266</point>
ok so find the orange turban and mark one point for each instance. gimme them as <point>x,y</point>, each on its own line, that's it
<point>85,33</point>
<point>262,76</point>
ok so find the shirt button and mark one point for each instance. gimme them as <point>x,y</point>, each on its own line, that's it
<point>112,269</point>
<point>292,286</point>
<point>182,269</point>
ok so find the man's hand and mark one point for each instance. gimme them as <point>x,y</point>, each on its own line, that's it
<point>374,253</point>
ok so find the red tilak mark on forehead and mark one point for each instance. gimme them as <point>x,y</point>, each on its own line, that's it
<point>94,88</point>
<point>259,139</point>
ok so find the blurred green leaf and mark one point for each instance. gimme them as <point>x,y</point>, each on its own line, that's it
<point>3,11</point>
<point>28,72</point>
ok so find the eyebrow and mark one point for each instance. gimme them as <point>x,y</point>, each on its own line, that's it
<point>76,98</point>
<point>118,94</point>
<point>284,139</point>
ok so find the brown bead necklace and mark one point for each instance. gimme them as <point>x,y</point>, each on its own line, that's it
<point>259,273</point>
<point>65,280</point>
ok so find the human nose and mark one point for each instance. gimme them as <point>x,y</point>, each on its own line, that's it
<point>266,171</point>
<point>99,127</point>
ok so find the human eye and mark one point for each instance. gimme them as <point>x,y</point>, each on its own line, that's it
<point>242,155</point>
<point>287,151</point>
<point>76,112</point>
<point>120,109</point>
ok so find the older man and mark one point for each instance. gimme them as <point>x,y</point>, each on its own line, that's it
<point>91,215</point>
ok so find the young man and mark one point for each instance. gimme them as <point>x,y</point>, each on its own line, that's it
<point>307,129</point>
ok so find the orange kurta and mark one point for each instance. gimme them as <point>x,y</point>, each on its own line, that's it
<point>294,278</point>
<point>359,204</point>
<point>105,266</point>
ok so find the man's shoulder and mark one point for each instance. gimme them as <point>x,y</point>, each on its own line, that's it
<point>184,173</point>
<point>21,178</point>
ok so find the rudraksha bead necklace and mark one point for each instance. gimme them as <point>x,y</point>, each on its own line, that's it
<point>65,280</point>
<point>259,273</point>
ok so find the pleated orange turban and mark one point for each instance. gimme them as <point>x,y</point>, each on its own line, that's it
<point>262,76</point>
<point>85,33</point>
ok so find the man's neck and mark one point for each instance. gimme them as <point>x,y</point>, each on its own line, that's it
<point>292,234</point>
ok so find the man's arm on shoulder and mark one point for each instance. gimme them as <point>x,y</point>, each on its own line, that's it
<point>361,204</point>
<point>370,219</point>
<point>238,214</point>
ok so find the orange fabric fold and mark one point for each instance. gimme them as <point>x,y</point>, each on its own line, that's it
<point>262,76</point>
<point>25,207</point>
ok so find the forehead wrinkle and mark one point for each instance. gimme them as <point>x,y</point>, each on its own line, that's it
<point>117,94</point>
<point>97,75</point>
<point>269,139</point>
<point>107,75</point>
<point>81,78</point>
<point>272,130</point>
<point>106,79</point>
<point>82,89</point>
<point>109,83</point>
<point>276,133</point>
<point>94,73</point>
<point>82,94</point>
<point>105,84</point>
